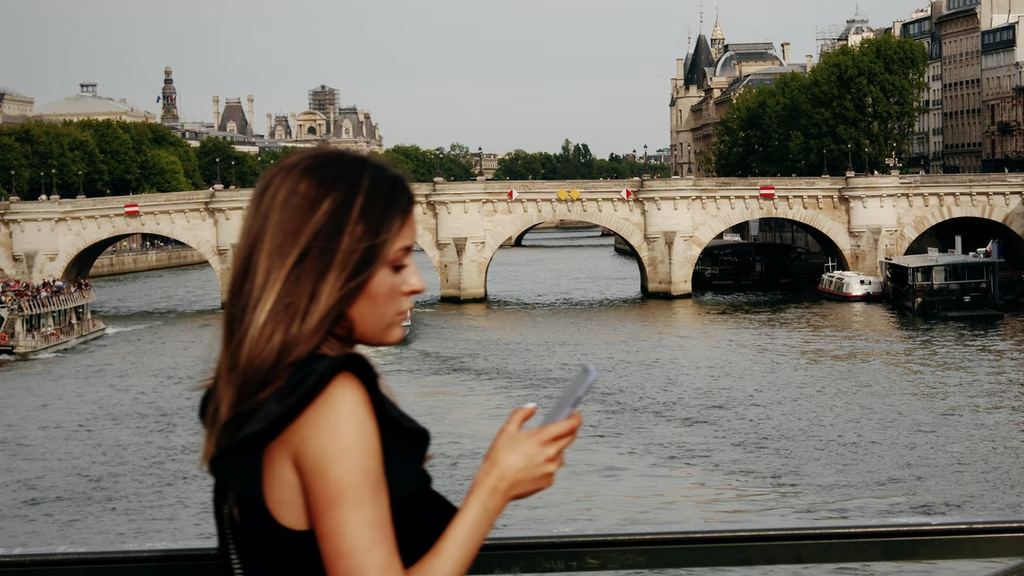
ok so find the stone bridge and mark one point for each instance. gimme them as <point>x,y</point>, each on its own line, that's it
<point>460,225</point>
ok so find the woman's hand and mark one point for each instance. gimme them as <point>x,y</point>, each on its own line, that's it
<point>523,462</point>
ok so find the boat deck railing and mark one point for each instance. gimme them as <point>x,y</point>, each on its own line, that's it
<point>620,552</point>
<point>50,303</point>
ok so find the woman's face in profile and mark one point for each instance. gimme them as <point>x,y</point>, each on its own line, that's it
<point>377,314</point>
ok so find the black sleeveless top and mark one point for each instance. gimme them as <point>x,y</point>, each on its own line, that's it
<point>247,531</point>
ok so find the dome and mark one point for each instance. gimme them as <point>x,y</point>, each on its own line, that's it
<point>88,104</point>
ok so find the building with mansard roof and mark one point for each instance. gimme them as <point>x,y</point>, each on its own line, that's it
<point>707,82</point>
<point>327,122</point>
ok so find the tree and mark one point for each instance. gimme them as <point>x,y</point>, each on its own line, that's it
<point>214,157</point>
<point>863,100</point>
<point>416,164</point>
<point>520,165</point>
<point>162,172</point>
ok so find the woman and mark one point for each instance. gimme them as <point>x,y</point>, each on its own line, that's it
<point>316,470</point>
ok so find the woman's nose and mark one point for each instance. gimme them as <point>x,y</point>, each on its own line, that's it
<point>415,283</point>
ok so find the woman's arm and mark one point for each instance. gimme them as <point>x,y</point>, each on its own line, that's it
<point>335,451</point>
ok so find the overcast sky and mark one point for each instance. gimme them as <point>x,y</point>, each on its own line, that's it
<point>501,74</point>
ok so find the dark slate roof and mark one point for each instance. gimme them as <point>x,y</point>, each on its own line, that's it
<point>735,54</point>
<point>362,124</point>
<point>695,73</point>
<point>233,112</point>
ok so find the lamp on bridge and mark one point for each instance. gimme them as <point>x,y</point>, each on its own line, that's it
<point>645,174</point>
<point>438,174</point>
<point>53,186</point>
<point>233,174</point>
<point>689,170</point>
<point>217,160</point>
<point>80,195</point>
<point>824,154</point>
<point>849,159</point>
<point>12,193</point>
<point>42,185</point>
<point>480,153</point>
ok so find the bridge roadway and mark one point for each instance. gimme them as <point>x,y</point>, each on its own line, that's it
<point>460,225</point>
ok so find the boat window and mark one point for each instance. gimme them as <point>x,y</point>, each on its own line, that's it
<point>939,275</point>
<point>923,275</point>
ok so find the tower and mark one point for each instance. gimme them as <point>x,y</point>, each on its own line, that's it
<point>717,41</point>
<point>169,114</point>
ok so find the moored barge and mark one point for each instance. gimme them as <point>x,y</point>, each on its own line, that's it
<point>953,286</point>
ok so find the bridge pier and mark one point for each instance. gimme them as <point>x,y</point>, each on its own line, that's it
<point>462,268</point>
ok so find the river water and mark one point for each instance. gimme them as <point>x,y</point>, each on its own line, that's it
<point>720,411</point>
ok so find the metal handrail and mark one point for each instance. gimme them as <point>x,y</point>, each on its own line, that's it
<point>604,552</point>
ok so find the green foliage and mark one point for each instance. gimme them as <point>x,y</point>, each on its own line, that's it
<point>857,106</point>
<point>574,162</point>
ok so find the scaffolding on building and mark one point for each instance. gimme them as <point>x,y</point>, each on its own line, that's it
<point>323,99</point>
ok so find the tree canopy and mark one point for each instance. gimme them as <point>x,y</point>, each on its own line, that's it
<point>573,162</point>
<point>853,110</point>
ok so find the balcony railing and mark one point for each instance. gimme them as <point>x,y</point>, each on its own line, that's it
<point>607,552</point>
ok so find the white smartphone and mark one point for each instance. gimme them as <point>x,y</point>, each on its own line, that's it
<point>572,396</point>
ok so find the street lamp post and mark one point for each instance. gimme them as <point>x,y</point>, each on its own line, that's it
<point>80,183</point>
<point>13,193</point>
<point>865,160</point>
<point>42,184</point>
<point>849,157</point>
<point>439,173</point>
<point>233,183</point>
<point>824,153</point>
<point>689,169</point>
<point>53,186</point>
<point>480,152</point>
<point>217,181</point>
<point>645,174</point>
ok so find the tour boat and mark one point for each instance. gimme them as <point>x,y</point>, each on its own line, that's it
<point>953,286</point>
<point>29,326</point>
<point>848,285</point>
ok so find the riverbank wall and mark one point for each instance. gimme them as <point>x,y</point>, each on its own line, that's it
<point>110,265</point>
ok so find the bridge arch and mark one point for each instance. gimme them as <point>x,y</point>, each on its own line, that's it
<point>521,223</point>
<point>912,230</point>
<point>77,258</point>
<point>835,232</point>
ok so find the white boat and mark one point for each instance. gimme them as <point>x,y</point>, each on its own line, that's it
<point>848,285</point>
<point>33,324</point>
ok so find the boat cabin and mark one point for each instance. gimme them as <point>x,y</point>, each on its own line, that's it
<point>946,285</point>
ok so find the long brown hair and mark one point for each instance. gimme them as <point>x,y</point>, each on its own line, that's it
<point>316,229</point>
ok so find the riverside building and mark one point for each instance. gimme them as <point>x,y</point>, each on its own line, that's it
<point>707,82</point>
<point>327,122</point>
<point>14,107</point>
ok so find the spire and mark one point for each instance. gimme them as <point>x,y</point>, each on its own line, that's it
<point>701,29</point>
<point>717,38</point>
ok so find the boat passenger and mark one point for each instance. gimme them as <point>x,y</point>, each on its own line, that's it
<point>316,470</point>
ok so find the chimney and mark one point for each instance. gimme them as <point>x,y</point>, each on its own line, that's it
<point>785,52</point>
<point>810,61</point>
<point>252,116</point>
<point>959,245</point>
<point>270,126</point>
<point>216,113</point>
